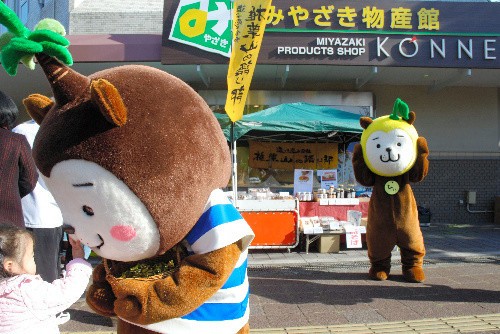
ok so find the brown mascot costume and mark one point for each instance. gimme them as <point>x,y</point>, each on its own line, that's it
<point>135,159</point>
<point>389,157</point>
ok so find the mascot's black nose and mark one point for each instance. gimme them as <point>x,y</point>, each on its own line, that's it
<point>68,229</point>
<point>388,150</point>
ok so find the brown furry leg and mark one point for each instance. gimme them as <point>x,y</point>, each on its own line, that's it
<point>380,239</point>
<point>380,270</point>
<point>245,329</point>
<point>414,275</point>
<point>128,328</point>
<point>378,274</point>
<point>413,261</point>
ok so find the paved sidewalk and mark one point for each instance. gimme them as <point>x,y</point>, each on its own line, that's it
<point>327,296</point>
<point>451,243</point>
<point>294,292</point>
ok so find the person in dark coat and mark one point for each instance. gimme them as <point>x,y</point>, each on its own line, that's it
<point>18,172</point>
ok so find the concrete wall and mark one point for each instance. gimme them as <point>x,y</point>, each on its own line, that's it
<point>448,182</point>
<point>81,17</point>
<point>116,17</point>
<point>455,119</point>
<point>461,125</point>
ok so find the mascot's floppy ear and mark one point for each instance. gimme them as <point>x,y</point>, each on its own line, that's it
<point>37,106</point>
<point>411,117</point>
<point>365,121</point>
<point>109,101</point>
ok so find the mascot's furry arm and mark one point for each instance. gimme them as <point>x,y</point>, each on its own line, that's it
<point>419,171</point>
<point>363,174</point>
<point>196,280</point>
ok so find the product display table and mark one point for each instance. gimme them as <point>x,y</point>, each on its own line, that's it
<point>339,211</point>
<point>276,222</point>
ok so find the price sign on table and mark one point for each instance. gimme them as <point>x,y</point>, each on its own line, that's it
<point>353,237</point>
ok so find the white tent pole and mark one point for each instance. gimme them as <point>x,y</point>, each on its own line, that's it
<point>345,165</point>
<point>234,177</point>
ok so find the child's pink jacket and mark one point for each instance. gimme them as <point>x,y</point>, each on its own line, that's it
<point>28,304</point>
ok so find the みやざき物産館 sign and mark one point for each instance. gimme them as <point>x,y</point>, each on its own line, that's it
<point>378,33</point>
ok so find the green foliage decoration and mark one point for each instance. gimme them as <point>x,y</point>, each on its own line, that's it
<point>146,270</point>
<point>20,44</point>
<point>401,108</point>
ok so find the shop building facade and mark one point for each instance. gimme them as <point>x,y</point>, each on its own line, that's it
<point>457,101</point>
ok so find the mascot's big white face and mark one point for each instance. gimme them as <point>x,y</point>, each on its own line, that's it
<point>113,149</point>
<point>106,215</point>
<point>389,146</point>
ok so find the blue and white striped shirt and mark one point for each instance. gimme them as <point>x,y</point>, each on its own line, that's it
<point>227,311</point>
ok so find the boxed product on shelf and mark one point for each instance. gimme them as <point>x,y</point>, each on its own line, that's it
<point>260,193</point>
<point>329,243</point>
<point>307,225</point>
<point>330,224</point>
<point>354,217</point>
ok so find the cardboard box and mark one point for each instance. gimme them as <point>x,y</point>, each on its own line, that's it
<point>329,243</point>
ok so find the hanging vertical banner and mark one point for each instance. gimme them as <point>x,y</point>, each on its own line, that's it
<point>249,23</point>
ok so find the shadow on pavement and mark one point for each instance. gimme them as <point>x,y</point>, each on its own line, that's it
<point>300,287</point>
<point>88,317</point>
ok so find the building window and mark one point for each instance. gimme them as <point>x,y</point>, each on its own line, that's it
<point>23,11</point>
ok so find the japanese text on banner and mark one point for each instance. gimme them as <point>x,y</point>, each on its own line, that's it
<point>249,23</point>
<point>291,156</point>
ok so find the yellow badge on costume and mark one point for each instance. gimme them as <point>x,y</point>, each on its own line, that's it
<point>391,187</point>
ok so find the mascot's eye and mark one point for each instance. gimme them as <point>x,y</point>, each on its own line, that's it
<point>378,145</point>
<point>399,144</point>
<point>88,210</point>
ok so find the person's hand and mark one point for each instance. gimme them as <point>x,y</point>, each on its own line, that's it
<point>77,248</point>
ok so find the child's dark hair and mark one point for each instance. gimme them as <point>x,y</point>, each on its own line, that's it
<point>8,111</point>
<point>11,245</point>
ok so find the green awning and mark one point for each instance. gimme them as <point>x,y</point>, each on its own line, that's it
<point>294,122</point>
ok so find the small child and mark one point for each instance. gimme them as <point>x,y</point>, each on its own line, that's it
<point>28,304</point>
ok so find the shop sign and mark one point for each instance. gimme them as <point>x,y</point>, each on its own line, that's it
<point>289,156</point>
<point>203,24</point>
<point>377,33</point>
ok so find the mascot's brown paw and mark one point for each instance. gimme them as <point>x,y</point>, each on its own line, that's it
<point>414,275</point>
<point>101,299</point>
<point>378,275</point>
<point>128,307</point>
